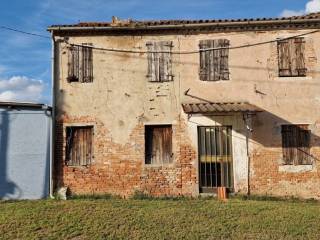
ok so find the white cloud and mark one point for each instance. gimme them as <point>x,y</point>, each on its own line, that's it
<point>21,88</point>
<point>290,13</point>
<point>311,7</point>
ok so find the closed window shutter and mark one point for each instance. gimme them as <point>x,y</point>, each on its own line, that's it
<point>73,64</point>
<point>215,60</point>
<point>152,62</point>
<point>204,66</point>
<point>296,144</point>
<point>159,61</point>
<point>291,57</point>
<point>224,61</point>
<point>303,145</point>
<point>300,62</point>
<point>286,145</point>
<point>162,61</point>
<point>87,64</point>
<point>158,145</point>
<point>214,63</point>
<point>166,61</point>
<point>79,146</point>
<point>80,64</point>
<point>284,58</point>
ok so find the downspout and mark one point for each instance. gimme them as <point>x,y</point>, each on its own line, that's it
<point>52,132</point>
<point>248,130</point>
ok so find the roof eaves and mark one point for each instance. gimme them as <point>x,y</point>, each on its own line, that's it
<point>172,24</point>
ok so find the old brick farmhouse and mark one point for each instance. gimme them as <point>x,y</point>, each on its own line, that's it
<point>184,107</point>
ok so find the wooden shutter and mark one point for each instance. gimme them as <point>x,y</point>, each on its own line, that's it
<point>158,144</point>
<point>214,63</point>
<point>291,57</point>
<point>87,64</point>
<point>299,54</point>
<point>284,58</point>
<point>165,73</point>
<point>287,145</point>
<point>159,61</point>
<point>79,146</point>
<point>204,71</point>
<point>303,147</point>
<point>296,144</point>
<point>153,62</point>
<point>80,65</point>
<point>73,64</point>
<point>162,143</point>
<point>224,61</point>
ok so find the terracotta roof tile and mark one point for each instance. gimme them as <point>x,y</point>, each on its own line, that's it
<point>221,107</point>
<point>133,23</point>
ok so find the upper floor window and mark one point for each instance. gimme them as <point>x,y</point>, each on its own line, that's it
<point>291,57</point>
<point>80,67</point>
<point>296,144</point>
<point>214,63</point>
<point>160,61</point>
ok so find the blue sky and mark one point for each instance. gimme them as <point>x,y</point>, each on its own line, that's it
<point>25,61</point>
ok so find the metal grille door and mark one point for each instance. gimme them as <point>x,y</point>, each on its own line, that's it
<point>215,158</point>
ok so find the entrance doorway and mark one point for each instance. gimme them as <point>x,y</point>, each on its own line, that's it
<point>215,158</point>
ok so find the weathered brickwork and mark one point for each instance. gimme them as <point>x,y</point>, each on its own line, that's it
<point>270,177</point>
<point>120,169</point>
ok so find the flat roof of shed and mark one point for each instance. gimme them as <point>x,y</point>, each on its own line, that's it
<point>25,105</point>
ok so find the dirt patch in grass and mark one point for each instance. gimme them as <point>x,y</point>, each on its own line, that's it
<point>159,219</point>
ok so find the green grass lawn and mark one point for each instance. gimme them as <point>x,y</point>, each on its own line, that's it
<point>159,219</point>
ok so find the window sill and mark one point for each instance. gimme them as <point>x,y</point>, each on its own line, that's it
<point>296,168</point>
<point>165,165</point>
<point>215,81</point>
<point>74,83</point>
<point>294,78</point>
<point>78,166</point>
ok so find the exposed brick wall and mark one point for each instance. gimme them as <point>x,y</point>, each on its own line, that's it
<point>268,179</point>
<point>119,168</point>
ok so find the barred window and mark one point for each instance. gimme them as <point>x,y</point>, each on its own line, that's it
<point>296,144</point>
<point>79,145</point>
<point>80,64</point>
<point>291,57</point>
<point>214,64</point>
<point>160,61</point>
<point>158,144</point>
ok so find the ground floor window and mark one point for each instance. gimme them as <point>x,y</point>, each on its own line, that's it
<point>296,144</point>
<point>158,144</point>
<point>79,145</point>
